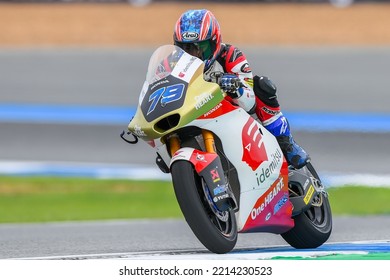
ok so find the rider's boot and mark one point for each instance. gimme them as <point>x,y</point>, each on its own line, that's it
<point>268,112</point>
<point>295,154</point>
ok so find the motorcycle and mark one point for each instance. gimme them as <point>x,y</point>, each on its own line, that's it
<point>228,172</point>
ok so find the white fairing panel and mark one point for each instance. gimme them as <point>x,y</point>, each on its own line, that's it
<point>256,175</point>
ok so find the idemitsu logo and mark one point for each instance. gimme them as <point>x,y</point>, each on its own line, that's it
<point>254,149</point>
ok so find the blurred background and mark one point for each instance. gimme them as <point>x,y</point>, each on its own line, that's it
<point>71,71</point>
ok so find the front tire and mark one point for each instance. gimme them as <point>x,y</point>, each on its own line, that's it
<point>217,231</point>
<point>314,226</point>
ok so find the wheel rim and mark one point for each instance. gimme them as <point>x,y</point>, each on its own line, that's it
<point>222,220</point>
<point>317,214</point>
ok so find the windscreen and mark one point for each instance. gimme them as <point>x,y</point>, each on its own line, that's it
<point>162,62</point>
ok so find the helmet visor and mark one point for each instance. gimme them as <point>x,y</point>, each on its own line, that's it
<point>206,49</point>
<point>201,49</point>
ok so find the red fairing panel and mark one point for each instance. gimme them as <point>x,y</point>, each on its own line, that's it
<point>201,159</point>
<point>253,145</point>
<point>222,108</point>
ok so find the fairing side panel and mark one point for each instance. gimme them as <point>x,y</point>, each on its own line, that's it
<point>258,159</point>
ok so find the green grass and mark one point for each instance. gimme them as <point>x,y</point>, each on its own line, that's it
<point>39,199</point>
<point>360,200</point>
<point>43,199</point>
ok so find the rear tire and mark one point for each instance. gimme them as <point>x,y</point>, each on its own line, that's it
<point>218,233</point>
<point>313,227</point>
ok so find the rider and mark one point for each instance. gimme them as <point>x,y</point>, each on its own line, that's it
<point>198,33</point>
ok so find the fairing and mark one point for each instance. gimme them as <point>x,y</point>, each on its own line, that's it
<point>175,95</point>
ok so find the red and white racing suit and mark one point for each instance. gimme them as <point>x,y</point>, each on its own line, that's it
<point>231,60</point>
<point>264,102</point>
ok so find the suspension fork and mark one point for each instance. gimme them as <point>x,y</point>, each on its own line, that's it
<point>174,144</point>
<point>208,138</point>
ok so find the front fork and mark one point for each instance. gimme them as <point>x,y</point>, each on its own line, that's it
<point>208,165</point>
<point>208,138</point>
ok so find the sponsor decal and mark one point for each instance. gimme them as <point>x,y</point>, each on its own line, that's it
<point>218,198</point>
<point>190,36</point>
<point>202,160</point>
<point>159,83</point>
<point>178,154</point>
<point>280,203</point>
<point>202,99</point>
<point>271,168</point>
<point>284,126</point>
<point>213,110</point>
<point>269,111</point>
<point>220,109</point>
<point>219,189</point>
<point>253,146</point>
<point>309,195</point>
<point>268,199</point>
<point>268,216</point>
<point>200,157</point>
<point>214,175</point>
<point>138,131</point>
<point>185,69</point>
<point>245,68</point>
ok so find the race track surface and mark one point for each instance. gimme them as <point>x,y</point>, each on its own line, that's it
<point>115,239</point>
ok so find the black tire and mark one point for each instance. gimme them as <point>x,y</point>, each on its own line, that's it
<point>313,227</point>
<point>216,235</point>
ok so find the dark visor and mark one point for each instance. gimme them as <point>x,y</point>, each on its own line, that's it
<point>192,48</point>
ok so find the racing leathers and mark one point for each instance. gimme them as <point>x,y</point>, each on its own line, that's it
<point>255,95</point>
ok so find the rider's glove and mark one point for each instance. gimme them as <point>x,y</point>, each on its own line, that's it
<point>231,85</point>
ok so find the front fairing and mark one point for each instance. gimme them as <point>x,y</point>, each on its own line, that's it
<point>174,94</point>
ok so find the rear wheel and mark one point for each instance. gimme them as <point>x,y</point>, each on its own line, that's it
<point>314,226</point>
<point>216,230</point>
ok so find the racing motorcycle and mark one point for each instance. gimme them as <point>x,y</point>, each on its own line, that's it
<point>228,172</point>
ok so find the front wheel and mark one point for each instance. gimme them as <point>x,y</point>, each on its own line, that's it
<point>314,226</point>
<point>216,230</point>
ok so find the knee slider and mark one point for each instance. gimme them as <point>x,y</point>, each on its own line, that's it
<point>265,90</point>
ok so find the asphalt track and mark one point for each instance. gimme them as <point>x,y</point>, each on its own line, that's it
<point>329,80</point>
<point>121,239</point>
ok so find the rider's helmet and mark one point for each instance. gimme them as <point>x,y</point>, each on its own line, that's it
<point>197,32</point>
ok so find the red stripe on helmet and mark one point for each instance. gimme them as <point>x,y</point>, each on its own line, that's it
<point>207,19</point>
<point>178,31</point>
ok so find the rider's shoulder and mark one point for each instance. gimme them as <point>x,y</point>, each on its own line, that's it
<point>226,48</point>
<point>230,53</point>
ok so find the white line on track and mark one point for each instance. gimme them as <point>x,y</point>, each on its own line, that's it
<point>360,248</point>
